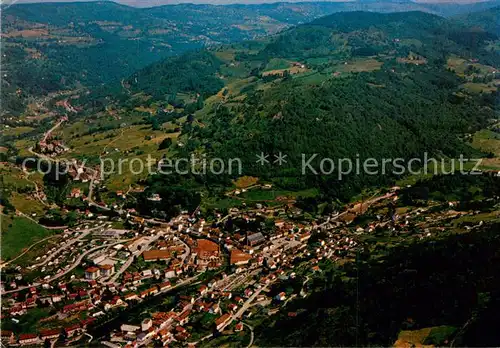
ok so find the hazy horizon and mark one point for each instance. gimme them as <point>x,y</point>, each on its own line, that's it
<point>152,3</point>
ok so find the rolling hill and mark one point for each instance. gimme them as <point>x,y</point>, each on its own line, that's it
<point>349,85</point>
<point>49,47</point>
<point>342,90</point>
<point>488,20</point>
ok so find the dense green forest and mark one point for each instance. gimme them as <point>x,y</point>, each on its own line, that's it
<point>461,188</point>
<point>191,72</point>
<point>345,35</point>
<point>488,20</point>
<point>410,104</point>
<point>399,111</point>
<point>342,119</point>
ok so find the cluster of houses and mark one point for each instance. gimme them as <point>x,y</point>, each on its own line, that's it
<point>190,246</point>
<point>164,328</point>
<point>79,172</point>
<point>50,147</point>
<point>68,301</point>
<point>28,339</point>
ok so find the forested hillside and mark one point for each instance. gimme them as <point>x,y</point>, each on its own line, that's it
<point>50,47</point>
<point>488,20</point>
<point>331,183</point>
<point>352,85</point>
<point>356,85</point>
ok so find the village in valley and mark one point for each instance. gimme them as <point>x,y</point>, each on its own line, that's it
<point>193,280</point>
<point>97,256</point>
<point>105,274</point>
<point>205,277</point>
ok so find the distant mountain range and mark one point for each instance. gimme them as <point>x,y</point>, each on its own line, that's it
<point>151,3</point>
<point>54,46</point>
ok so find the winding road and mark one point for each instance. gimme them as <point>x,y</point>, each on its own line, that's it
<point>244,307</point>
<point>26,251</point>
<point>65,246</point>
<point>122,269</point>
<point>66,271</point>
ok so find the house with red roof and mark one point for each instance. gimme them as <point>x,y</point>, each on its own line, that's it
<point>203,289</point>
<point>72,330</point>
<point>222,321</point>
<point>164,285</point>
<point>26,339</point>
<point>92,273</point>
<point>238,327</point>
<point>207,253</point>
<point>50,334</point>
<point>7,337</point>
<point>183,318</point>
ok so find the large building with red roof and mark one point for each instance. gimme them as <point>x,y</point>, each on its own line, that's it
<point>208,253</point>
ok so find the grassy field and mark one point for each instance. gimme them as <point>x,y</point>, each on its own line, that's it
<point>410,42</point>
<point>277,64</point>
<point>224,203</point>
<point>16,130</point>
<point>27,205</point>
<point>312,78</point>
<point>23,145</point>
<point>121,139</point>
<point>18,189</point>
<point>37,251</point>
<point>123,144</point>
<point>111,119</point>
<point>226,55</point>
<point>476,87</point>
<point>233,68</point>
<point>291,70</point>
<point>19,233</point>
<point>459,66</point>
<point>440,335</point>
<point>13,178</point>
<point>314,61</point>
<point>245,181</point>
<point>443,167</point>
<point>490,164</point>
<point>413,338</point>
<point>487,141</point>
<point>359,65</point>
<point>426,337</point>
<point>476,219</point>
<point>151,109</point>
<point>140,137</point>
<point>271,195</point>
<point>234,88</point>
